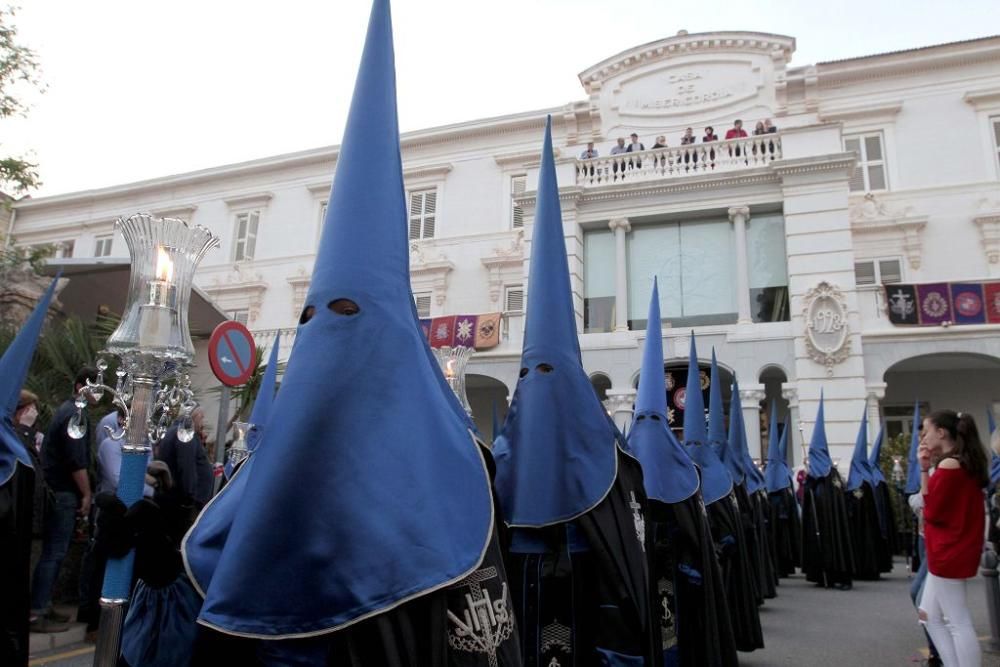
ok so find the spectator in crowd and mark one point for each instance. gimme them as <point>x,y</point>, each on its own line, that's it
<point>65,462</point>
<point>759,129</point>
<point>26,426</point>
<point>590,153</point>
<point>768,127</point>
<point>954,516</point>
<point>736,131</point>
<point>636,145</point>
<point>710,135</point>
<point>190,469</point>
<point>688,137</point>
<point>619,149</point>
<point>661,142</point>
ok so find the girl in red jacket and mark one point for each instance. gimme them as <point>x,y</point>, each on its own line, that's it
<point>954,521</point>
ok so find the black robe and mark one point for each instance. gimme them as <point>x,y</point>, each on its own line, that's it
<point>687,586</point>
<point>469,624</point>
<point>786,531</point>
<point>866,533</point>
<point>760,512</point>
<point>581,589</point>
<point>827,557</point>
<point>17,497</point>
<point>887,523</point>
<point>738,576</point>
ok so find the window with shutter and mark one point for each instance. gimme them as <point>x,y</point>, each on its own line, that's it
<point>423,214</point>
<point>517,187</point>
<point>423,303</point>
<point>241,315</point>
<point>864,273</point>
<point>890,271</point>
<point>102,247</point>
<point>245,243</point>
<point>514,299</point>
<point>869,172</point>
<point>996,136</point>
<point>882,271</point>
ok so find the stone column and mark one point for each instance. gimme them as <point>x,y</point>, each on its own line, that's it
<point>620,404</point>
<point>876,392</point>
<point>739,216</point>
<point>795,455</point>
<point>751,397</point>
<point>621,227</point>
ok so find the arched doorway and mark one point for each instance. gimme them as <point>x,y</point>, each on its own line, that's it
<point>960,381</point>
<point>675,374</point>
<point>601,384</point>
<point>485,392</point>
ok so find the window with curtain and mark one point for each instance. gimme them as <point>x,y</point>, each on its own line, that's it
<point>598,281</point>
<point>694,262</point>
<point>768,268</point>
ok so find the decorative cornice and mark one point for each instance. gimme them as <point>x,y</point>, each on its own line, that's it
<point>885,111</point>
<point>870,215</point>
<point>239,291</point>
<point>427,171</point>
<point>984,97</point>
<point>319,188</point>
<point>182,211</point>
<point>910,61</point>
<point>300,287</point>
<point>620,223</point>
<point>522,158</point>
<point>817,163</point>
<point>778,47</point>
<point>429,269</point>
<point>989,230</point>
<point>249,200</point>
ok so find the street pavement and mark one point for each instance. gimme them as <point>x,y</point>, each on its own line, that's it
<point>872,625</point>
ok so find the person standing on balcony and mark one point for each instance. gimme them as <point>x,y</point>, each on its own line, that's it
<point>590,153</point>
<point>736,131</point>
<point>759,128</point>
<point>768,127</point>
<point>688,137</point>
<point>661,142</point>
<point>618,149</point>
<point>635,147</point>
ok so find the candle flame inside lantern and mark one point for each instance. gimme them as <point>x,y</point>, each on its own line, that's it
<point>164,266</point>
<point>449,370</point>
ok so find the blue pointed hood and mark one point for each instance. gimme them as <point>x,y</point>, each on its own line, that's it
<point>13,372</point>
<point>716,482</point>
<point>753,478</point>
<point>777,475</point>
<point>731,452</point>
<point>819,452</point>
<point>859,473</point>
<point>912,465</point>
<point>364,429</point>
<point>557,458</point>
<point>727,446</point>
<point>265,397</point>
<point>873,461</point>
<point>203,544</point>
<point>669,474</point>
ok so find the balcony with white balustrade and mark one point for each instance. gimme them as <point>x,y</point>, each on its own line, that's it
<point>702,159</point>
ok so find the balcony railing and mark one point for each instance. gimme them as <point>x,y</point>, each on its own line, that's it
<point>690,160</point>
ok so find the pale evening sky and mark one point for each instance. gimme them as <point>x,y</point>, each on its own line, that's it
<point>143,89</point>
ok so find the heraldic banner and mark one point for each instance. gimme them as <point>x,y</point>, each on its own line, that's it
<point>935,304</point>
<point>479,331</point>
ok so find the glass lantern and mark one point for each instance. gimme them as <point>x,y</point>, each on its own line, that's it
<point>453,361</point>
<point>165,253</point>
<point>238,450</point>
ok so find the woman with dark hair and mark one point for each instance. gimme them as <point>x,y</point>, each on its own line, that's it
<point>954,516</point>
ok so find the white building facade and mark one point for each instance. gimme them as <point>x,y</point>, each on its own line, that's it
<point>774,249</point>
